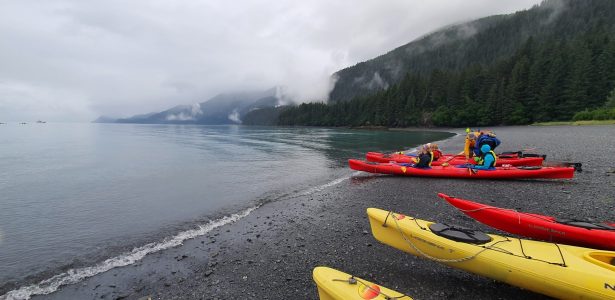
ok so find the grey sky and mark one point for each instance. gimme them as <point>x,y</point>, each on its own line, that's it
<point>73,60</point>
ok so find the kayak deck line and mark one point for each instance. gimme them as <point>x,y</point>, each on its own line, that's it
<point>485,247</point>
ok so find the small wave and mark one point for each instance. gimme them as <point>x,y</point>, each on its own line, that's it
<point>319,188</point>
<point>72,276</point>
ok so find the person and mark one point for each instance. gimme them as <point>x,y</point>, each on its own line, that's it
<point>424,158</point>
<point>475,139</point>
<point>470,144</point>
<point>487,159</point>
<point>486,138</point>
<point>435,151</point>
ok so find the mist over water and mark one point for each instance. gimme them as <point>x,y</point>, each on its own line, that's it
<point>75,194</point>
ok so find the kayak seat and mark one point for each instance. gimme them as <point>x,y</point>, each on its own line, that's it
<point>517,153</point>
<point>459,234</point>
<point>585,224</point>
<point>544,156</point>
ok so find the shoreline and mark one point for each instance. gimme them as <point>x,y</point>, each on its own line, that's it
<point>576,123</point>
<point>270,253</point>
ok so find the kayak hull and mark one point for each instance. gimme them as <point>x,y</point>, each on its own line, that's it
<point>559,271</point>
<point>332,285</point>
<point>453,159</point>
<point>536,226</point>
<point>455,172</point>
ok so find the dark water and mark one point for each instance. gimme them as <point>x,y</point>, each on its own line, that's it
<point>73,194</point>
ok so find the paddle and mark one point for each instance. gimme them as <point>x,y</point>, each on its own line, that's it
<point>445,163</point>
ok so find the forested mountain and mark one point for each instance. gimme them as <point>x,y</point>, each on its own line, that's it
<point>479,42</point>
<point>542,64</point>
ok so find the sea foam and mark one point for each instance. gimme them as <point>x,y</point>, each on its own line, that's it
<point>72,276</point>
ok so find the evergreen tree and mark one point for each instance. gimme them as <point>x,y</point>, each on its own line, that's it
<point>610,100</point>
<point>563,67</point>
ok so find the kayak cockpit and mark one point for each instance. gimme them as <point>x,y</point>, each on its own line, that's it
<point>605,259</point>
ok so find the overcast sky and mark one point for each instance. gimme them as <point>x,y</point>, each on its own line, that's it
<point>73,60</point>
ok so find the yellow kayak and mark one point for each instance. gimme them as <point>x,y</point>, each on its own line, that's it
<point>333,284</point>
<point>560,271</point>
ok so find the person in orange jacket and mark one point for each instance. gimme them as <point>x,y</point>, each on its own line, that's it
<point>471,137</point>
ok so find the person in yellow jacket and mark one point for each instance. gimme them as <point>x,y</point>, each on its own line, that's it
<point>476,139</point>
<point>471,137</point>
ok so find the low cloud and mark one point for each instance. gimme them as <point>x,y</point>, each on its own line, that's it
<point>234,116</point>
<point>377,82</point>
<point>193,114</point>
<point>74,60</point>
<point>26,102</point>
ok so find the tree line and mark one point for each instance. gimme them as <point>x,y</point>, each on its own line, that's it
<point>547,80</point>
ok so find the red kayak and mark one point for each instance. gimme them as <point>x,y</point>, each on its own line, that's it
<point>460,172</point>
<point>503,159</point>
<point>565,231</point>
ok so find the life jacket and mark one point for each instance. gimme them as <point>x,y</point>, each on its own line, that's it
<point>488,139</point>
<point>421,163</point>
<point>481,161</point>
<point>436,154</point>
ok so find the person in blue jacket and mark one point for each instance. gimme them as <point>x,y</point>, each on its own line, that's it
<point>485,138</point>
<point>487,159</point>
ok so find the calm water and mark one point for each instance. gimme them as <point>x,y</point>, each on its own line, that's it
<point>75,194</point>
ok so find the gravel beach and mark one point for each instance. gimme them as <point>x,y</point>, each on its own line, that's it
<point>270,253</point>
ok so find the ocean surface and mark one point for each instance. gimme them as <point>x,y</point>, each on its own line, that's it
<point>74,196</point>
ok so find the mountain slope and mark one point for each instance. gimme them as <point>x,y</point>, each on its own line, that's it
<point>479,42</point>
<point>221,109</point>
<point>561,61</point>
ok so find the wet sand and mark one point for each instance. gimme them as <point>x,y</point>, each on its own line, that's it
<point>270,253</point>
